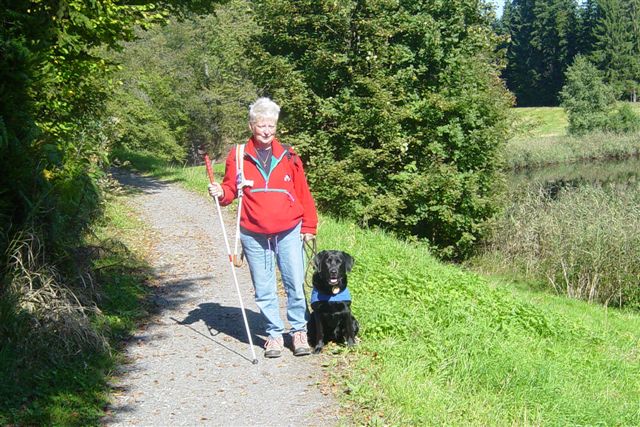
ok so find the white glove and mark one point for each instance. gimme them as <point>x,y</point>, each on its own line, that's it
<point>215,190</point>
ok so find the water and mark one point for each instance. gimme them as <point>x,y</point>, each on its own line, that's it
<point>624,173</point>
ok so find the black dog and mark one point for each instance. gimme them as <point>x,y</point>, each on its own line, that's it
<point>332,319</point>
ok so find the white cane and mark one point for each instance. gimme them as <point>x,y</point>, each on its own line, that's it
<point>233,270</point>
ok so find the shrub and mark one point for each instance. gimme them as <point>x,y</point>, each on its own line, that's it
<point>585,97</point>
<point>624,120</point>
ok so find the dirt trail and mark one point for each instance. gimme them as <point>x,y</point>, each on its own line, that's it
<point>191,364</point>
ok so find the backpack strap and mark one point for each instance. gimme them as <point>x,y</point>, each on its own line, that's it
<point>241,182</point>
<point>291,155</point>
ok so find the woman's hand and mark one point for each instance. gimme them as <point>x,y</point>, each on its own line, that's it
<point>307,237</point>
<point>215,190</point>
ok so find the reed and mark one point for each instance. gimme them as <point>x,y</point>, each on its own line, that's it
<point>583,242</point>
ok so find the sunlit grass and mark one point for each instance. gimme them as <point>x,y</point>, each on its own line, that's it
<point>544,122</point>
<point>533,122</point>
<point>441,346</point>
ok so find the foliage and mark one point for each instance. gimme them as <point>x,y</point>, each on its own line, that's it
<point>624,120</point>
<point>617,44</point>
<point>195,93</point>
<point>54,81</point>
<point>543,42</point>
<point>586,98</point>
<point>396,108</point>
<point>58,336</point>
<point>440,346</point>
<point>544,37</point>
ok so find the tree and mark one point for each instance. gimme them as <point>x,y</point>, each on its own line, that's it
<point>196,93</point>
<point>54,81</point>
<point>396,108</point>
<point>543,43</point>
<point>586,98</point>
<point>614,48</point>
<point>588,17</point>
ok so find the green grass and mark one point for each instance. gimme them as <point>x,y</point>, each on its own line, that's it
<point>532,122</point>
<point>72,390</point>
<point>543,122</point>
<point>539,138</point>
<point>441,346</point>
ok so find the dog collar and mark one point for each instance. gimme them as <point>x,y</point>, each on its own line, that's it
<point>343,295</point>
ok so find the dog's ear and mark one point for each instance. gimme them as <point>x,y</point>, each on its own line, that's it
<point>348,261</point>
<point>317,260</point>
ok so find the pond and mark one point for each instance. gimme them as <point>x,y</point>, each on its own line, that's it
<point>624,173</point>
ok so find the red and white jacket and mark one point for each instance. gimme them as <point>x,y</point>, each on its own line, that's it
<point>279,199</point>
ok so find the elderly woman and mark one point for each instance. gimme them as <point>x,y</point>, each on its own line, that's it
<point>278,214</point>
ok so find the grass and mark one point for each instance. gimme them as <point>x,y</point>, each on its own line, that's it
<point>539,138</point>
<point>539,152</point>
<point>39,387</point>
<point>543,122</point>
<point>535,122</point>
<point>441,346</point>
<point>574,240</point>
<point>583,242</point>
<point>444,346</point>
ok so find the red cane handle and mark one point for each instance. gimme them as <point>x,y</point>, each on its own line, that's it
<point>207,163</point>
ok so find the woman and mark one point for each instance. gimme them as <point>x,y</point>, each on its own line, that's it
<point>278,214</point>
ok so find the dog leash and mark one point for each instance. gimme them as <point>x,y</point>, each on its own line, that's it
<point>310,250</point>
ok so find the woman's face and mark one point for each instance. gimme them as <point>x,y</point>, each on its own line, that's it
<point>263,130</point>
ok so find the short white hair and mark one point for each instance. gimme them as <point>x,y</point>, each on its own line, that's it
<point>263,108</point>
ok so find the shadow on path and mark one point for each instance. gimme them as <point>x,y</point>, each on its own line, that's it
<point>220,319</point>
<point>135,184</point>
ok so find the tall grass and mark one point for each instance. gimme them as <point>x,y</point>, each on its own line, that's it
<point>583,242</point>
<point>441,346</point>
<point>58,331</point>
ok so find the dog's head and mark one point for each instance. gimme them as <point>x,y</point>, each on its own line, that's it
<point>331,268</point>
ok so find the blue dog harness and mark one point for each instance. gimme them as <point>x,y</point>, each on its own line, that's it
<point>342,296</point>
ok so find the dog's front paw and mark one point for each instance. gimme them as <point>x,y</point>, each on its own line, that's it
<point>317,349</point>
<point>351,342</point>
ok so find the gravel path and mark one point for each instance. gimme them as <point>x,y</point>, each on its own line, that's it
<point>191,364</point>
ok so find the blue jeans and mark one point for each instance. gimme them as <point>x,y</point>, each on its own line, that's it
<point>286,246</point>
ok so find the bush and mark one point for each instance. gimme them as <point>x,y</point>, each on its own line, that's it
<point>624,120</point>
<point>586,98</point>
